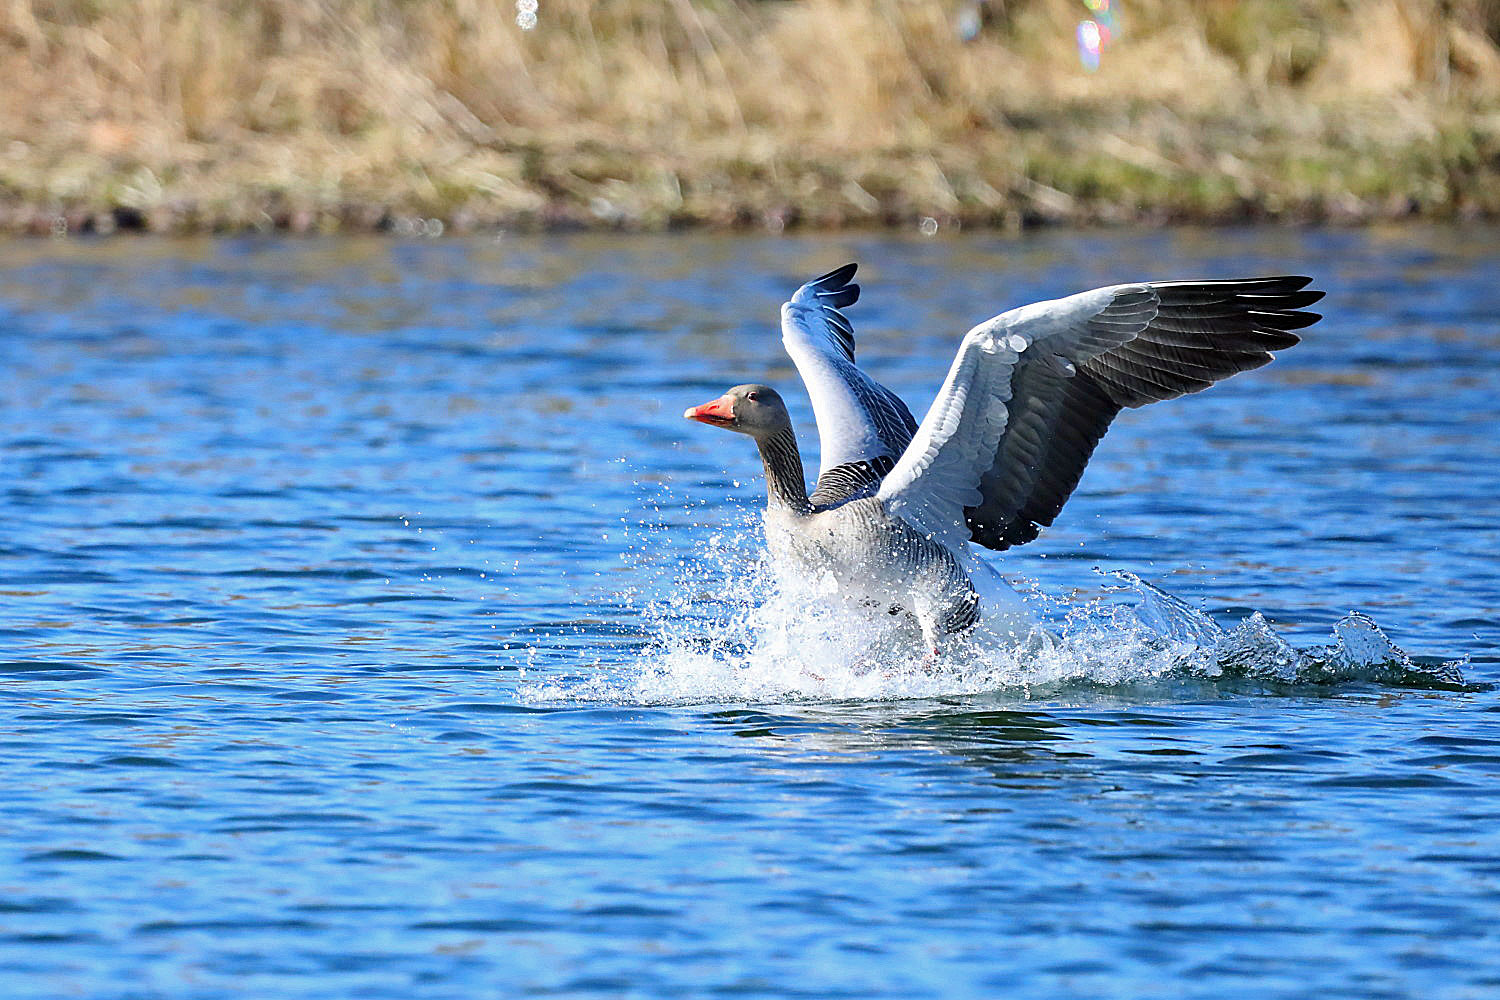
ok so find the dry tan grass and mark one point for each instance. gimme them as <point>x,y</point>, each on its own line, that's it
<point>324,113</point>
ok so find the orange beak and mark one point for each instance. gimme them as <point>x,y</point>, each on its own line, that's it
<point>720,412</point>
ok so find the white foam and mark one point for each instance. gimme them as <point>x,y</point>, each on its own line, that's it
<point>725,631</point>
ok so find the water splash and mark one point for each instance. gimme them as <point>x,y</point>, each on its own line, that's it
<point>728,632</point>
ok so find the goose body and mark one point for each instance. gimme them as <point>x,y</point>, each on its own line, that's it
<point>877,560</point>
<point>1028,396</point>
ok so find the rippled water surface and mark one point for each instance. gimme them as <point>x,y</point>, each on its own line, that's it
<point>374,626</point>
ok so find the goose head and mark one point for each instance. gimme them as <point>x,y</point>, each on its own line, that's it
<point>756,410</point>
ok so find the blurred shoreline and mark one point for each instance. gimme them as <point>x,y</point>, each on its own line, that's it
<point>443,115</point>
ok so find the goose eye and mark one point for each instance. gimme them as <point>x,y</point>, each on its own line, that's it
<point>754,397</point>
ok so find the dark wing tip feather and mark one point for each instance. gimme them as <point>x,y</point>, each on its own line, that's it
<point>841,275</point>
<point>834,291</point>
<point>1286,300</point>
<point>836,288</point>
<point>1213,288</point>
<point>1284,319</point>
<point>1204,331</point>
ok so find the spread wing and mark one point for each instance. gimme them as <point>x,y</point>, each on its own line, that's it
<point>863,427</point>
<point>1033,390</point>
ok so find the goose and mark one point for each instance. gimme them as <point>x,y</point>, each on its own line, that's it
<point>897,504</point>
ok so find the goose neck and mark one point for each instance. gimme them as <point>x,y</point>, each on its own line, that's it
<point>785,485</point>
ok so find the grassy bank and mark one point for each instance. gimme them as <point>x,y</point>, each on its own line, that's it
<point>232,114</point>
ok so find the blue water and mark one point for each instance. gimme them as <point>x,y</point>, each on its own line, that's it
<point>374,626</point>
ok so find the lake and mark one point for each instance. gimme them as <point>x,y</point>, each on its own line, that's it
<point>375,626</point>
